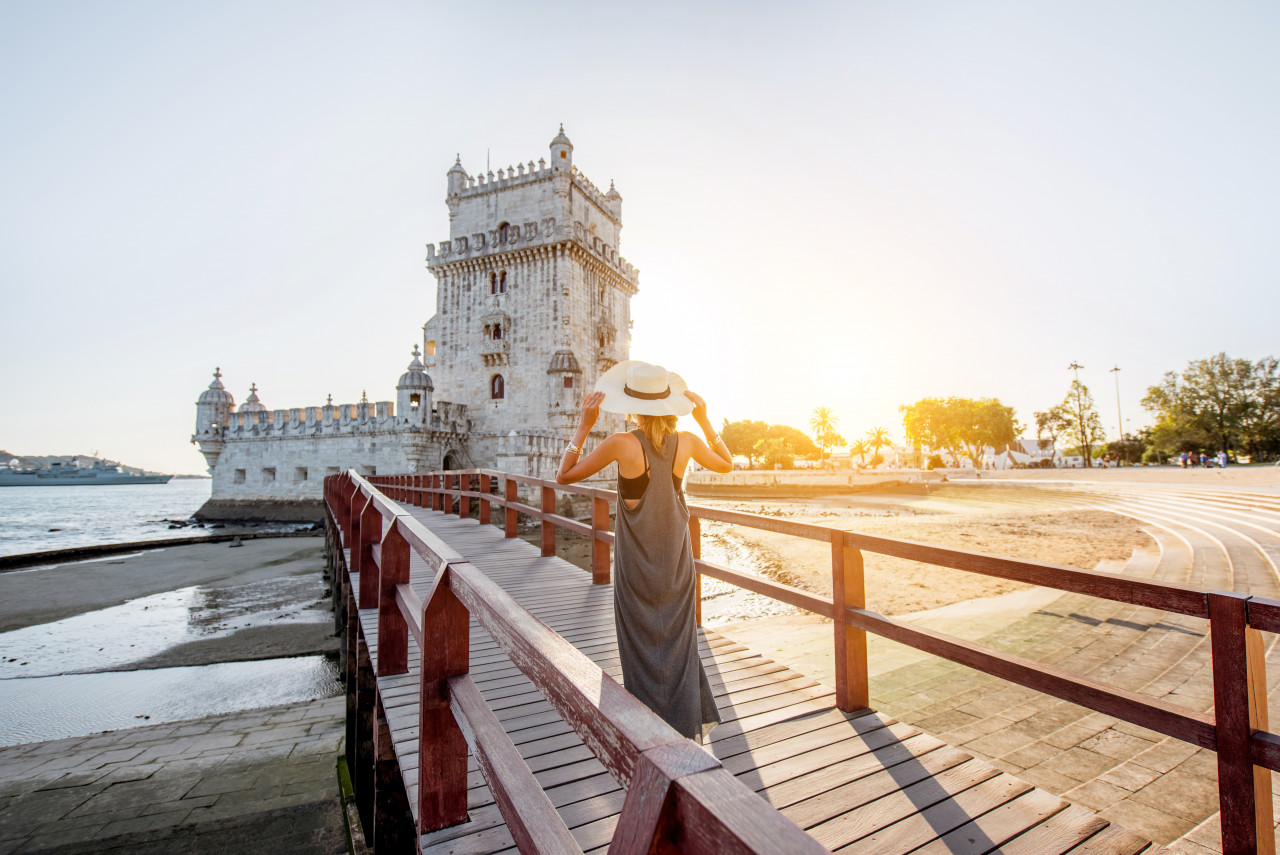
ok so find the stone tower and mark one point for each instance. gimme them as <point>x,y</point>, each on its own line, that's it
<point>532,305</point>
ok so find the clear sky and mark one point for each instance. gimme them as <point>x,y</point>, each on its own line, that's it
<point>847,204</point>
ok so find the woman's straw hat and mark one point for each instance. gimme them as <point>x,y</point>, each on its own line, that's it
<point>642,389</point>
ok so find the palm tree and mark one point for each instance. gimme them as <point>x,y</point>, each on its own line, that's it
<point>860,448</point>
<point>878,438</point>
<point>823,424</point>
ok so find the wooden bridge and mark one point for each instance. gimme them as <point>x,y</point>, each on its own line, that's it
<point>484,714</point>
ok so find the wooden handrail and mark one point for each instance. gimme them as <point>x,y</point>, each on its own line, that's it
<point>1237,731</point>
<point>709,809</point>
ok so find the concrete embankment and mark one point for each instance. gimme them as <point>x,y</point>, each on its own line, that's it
<point>263,781</point>
<point>261,511</point>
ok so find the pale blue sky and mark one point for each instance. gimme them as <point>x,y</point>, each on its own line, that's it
<point>848,204</point>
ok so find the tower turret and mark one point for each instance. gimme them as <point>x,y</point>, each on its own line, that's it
<point>413,394</point>
<point>213,410</point>
<point>561,152</point>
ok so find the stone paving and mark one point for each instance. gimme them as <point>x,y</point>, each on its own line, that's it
<point>262,781</point>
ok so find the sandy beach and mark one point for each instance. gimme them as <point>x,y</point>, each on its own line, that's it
<point>263,599</point>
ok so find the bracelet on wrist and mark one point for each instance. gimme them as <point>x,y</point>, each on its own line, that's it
<point>575,449</point>
<point>713,439</point>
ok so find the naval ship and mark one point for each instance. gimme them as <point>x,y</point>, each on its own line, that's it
<point>68,475</point>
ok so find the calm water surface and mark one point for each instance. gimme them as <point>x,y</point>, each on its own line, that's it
<point>34,709</point>
<point>91,515</point>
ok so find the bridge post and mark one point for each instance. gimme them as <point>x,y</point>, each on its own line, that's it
<point>370,533</point>
<point>548,527</point>
<point>350,519</point>
<point>599,549</point>
<point>695,541</point>
<point>1240,709</point>
<point>512,494</point>
<point>393,631</point>
<point>363,771</point>
<point>486,485</point>
<point>435,492</point>
<point>442,747</point>
<point>392,822</point>
<point>848,589</point>
<point>464,502</point>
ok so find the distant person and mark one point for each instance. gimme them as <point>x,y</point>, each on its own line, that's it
<point>653,585</point>
<point>1183,457</point>
<point>1222,459</point>
<point>1204,461</point>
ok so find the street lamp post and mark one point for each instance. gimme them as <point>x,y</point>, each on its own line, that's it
<point>1119,418</point>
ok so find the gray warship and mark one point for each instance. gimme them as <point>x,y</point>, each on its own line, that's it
<point>70,475</point>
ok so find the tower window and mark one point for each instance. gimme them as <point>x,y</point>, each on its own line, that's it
<point>503,232</point>
<point>568,381</point>
<point>493,283</point>
<point>502,282</point>
<point>564,155</point>
<point>431,348</point>
<point>415,400</point>
<point>497,387</point>
<point>239,477</point>
<point>497,332</point>
<point>268,474</point>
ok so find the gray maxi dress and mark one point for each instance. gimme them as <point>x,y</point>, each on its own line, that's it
<point>653,601</point>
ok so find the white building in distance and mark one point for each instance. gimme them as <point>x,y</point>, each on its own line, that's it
<point>532,305</point>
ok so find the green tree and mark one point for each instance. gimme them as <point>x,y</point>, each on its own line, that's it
<point>1215,403</point>
<point>797,441</point>
<point>960,426</point>
<point>860,448</point>
<point>775,451</point>
<point>742,437</point>
<point>878,438</point>
<point>1083,425</point>
<point>1051,424</point>
<point>823,424</point>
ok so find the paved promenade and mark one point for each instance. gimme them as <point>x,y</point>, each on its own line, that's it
<point>262,781</point>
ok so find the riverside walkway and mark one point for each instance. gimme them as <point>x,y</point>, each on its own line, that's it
<point>855,781</point>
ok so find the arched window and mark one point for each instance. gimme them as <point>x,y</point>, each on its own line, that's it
<point>502,282</point>
<point>497,387</point>
<point>502,232</point>
<point>497,332</point>
<point>493,283</point>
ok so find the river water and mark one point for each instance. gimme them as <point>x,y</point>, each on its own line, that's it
<point>91,515</point>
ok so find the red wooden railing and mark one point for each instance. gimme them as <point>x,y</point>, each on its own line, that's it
<point>676,794</point>
<point>1237,730</point>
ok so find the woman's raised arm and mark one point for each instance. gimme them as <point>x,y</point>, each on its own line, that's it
<point>712,454</point>
<point>573,466</point>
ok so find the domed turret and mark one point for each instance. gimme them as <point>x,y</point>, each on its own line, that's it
<point>416,377</point>
<point>213,411</point>
<point>564,380</point>
<point>457,177</point>
<point>614,200</point>
<point>564,362</point>
<point>252,404</point>
<point>561,152</point>
<point>413,393</point>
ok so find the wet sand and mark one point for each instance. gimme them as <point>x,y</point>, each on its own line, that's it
<point>276,580</point>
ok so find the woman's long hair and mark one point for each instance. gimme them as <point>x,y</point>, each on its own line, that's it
<point>656,427</point>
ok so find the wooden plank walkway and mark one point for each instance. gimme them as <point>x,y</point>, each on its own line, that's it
<point>857,782</point>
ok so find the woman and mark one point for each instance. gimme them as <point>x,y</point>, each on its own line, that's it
<point>653,583</point>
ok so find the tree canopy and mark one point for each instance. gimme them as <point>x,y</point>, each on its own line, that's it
<point>771,444</point>
<point>1220,403</point>
<point>960,426</point>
